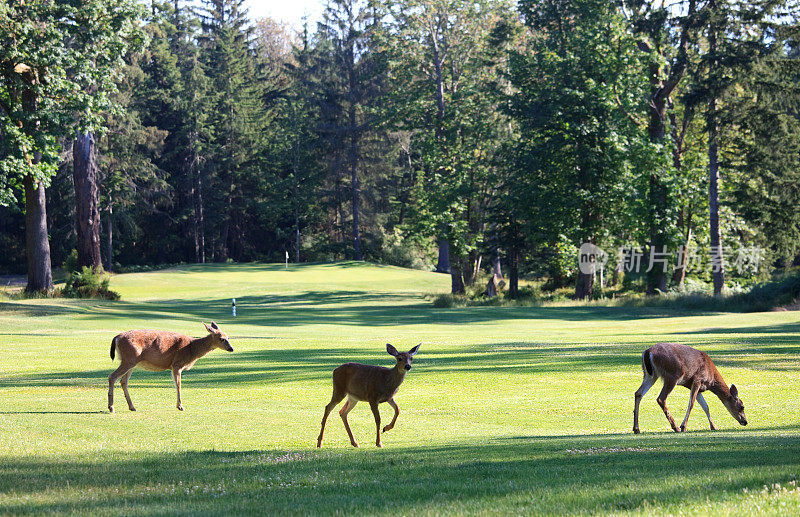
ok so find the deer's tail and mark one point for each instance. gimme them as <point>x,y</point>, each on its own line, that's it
<point>113,346</point>
<point>647,365</point>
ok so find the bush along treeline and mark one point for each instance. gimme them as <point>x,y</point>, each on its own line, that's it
<point>657,141</point>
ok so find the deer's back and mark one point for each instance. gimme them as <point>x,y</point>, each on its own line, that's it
<point>682,362</point>
<point>363,381</point>
<point>152,349</point>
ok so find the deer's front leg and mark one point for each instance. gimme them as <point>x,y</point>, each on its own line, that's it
<point>669,385</point>
<point>176,378</point>
<point>377,415</point>
<point>396,414</point>
<point>692,397</point>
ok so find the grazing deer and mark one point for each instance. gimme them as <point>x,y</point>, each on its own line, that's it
<point>684,365</point>
<point>158,351</point>
<point>374,384</point>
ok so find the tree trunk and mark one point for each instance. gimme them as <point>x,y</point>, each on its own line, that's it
<point>496,269</point>
<point>469,269</point>
<point>615,276</point>
<point>110,239</point>
<point>37,246</point>
<point>513,274</point>
<point>456,278</point>
<point>443,264</point>
<point>718,264</point>
<point>197,201</point>
<point>717,259</point>
<point>476,268</point>
<point>356,197</point>
<point>296,178</point>
<point>87,213</point>
<point>679,275</point>
<point>661,89</point>
<point>584,286</point>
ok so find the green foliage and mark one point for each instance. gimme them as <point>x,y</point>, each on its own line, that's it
<point>402,250</point>
<point>70,264</point>
<point>452,109</point>
<point>88,283</point>
<point>60,64</point>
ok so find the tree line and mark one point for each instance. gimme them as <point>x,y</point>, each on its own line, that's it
<point>465,133</point>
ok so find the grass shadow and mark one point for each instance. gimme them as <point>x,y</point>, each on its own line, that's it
<point>565,475</point>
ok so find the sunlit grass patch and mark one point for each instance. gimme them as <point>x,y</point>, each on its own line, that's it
<point>521,410</point>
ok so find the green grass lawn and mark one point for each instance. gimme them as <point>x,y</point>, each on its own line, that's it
<point>523,410</point>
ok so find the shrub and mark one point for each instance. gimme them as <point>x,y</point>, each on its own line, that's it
<point>70,264</point>
<point>397,249</point>
<point>88,283</point>
<point>446,301</point>
<point>782,291</point>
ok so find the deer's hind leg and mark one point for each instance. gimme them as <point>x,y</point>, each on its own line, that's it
<point>695,392</point>
<point>647,383</point>
<point>703,405</point>
<point>120,372</point>
<point>124,383</point>
<point>335,399</point>
<point>348,406</point>
<point>377,414</point>
<point>669,385</point>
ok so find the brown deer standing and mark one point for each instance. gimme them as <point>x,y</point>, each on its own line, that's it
<point>374,384</point>
<point>686,366</point>
<point>158,351</point>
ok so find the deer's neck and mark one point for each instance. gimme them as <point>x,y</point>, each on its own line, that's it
<point>200,347</point>
<point>720,389</point>
<point>396,376</point>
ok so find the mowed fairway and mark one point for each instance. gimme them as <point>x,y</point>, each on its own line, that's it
<point>518,410</point>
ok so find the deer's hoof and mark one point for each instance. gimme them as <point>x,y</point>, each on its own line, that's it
<point>714,428</point>
<point>676,429</point>
<point>683,428</point>
<point>132,408</point>
<point>354,444</point>
<point>379,445</point>
<point>180,408</point>
<point>110,409</point>
<point>636,430</point>
<point>386,428</point>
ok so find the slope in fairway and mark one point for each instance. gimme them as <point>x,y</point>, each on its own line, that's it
<point>506,410</point>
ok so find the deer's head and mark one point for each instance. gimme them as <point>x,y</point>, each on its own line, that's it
<point>735,406</point>
<point>219,338</point>
<point>403,358</point>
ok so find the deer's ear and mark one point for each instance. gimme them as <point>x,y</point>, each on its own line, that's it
<point>214,325</point>
<point>391,350</point>
<point>414,350</point>
<point>734,391</point>
<point>209,329</point>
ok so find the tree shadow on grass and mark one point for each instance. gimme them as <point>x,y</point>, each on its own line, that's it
<point>531,475</point>
<point>356,308</point>
<point>52,412</point>
<point>277,366</point>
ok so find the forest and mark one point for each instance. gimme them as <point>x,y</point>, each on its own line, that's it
<point>467,136</point>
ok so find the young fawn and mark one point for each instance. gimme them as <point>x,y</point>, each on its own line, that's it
<point>681,364</point>
<point>374,384</point>
<point>158,351</point>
